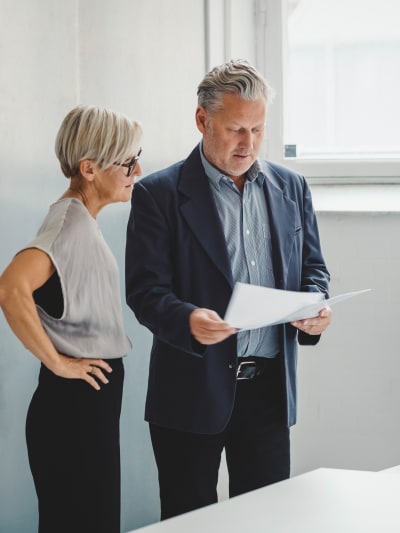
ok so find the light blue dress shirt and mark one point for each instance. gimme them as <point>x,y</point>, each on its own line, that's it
<point>245,223</point>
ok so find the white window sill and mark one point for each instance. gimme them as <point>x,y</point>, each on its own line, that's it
<point>368,198</point>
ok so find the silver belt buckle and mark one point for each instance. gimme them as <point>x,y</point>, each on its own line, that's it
<point>239,368</point>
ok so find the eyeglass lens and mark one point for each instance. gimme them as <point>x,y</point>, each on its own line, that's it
<point>133,162</point>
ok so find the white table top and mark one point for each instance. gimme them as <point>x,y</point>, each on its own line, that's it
<point>321,501</point>
<point>392,470</point>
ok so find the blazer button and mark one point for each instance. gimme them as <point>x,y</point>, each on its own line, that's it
<point>231,366</point>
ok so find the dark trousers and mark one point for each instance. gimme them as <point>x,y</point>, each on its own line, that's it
<point>256,442</point>
<point>72,434</point>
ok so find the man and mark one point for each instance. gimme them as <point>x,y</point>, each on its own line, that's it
<point>196,228</point>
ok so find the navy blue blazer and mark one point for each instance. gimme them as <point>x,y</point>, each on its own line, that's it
<point>177,260</point>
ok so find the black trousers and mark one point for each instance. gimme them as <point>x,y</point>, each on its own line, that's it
<point>256,443</point>
<point>72,434</point>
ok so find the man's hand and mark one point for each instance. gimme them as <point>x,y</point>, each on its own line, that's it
<point>209,328</point>
<point>316,325</point>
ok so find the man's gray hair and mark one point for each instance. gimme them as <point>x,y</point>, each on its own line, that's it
<point>237,77</point>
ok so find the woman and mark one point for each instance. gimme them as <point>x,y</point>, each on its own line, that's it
<point>61,297</point>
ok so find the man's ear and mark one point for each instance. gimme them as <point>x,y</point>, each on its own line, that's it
<point>201,119</point>
<point>86,168</point>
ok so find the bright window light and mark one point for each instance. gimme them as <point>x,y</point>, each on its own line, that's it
<point>343,79</point>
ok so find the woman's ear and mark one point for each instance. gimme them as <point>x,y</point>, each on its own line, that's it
<point>87,169</point>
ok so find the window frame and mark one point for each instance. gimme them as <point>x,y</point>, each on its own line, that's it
<point>271,53</point>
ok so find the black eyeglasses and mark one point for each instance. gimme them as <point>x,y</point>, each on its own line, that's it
<point>132,163</point>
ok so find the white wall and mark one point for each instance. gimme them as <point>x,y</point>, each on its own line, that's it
<point>146,59</point>
<point>349,392</point>
<point>37,85</point>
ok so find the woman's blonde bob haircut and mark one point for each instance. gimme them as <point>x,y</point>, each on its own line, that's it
<point>98,134</point>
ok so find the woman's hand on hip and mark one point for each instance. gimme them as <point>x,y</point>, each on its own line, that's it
<point>82,368</point>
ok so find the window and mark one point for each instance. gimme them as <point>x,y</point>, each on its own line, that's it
<point>335,65</point>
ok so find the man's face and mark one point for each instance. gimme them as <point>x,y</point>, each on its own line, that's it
<point>232,136</point>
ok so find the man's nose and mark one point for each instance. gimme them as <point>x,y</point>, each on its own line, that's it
<point>247,139</point>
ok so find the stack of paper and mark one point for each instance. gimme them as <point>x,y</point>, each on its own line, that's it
<point>252,306</point>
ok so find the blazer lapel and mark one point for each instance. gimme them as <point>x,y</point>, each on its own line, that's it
<point>198,208</point>
<point>282,217</point>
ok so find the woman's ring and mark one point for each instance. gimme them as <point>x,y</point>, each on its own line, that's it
<point>94,368</point>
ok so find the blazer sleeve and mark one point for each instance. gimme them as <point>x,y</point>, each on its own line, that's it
<point>314,274</point>
<point>149,271</point>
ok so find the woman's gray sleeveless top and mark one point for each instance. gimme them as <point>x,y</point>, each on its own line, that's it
<point>91,324</point>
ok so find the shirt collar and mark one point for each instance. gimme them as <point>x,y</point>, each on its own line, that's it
<point>254,174</point>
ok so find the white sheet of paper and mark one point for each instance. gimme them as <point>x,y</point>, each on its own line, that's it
<point>252,306</point>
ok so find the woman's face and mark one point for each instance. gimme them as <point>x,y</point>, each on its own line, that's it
<point>113,184</point>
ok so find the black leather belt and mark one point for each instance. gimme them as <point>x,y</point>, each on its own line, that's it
<point>252,367</point>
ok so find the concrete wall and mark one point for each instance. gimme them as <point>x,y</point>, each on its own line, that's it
<point>146,59</point>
